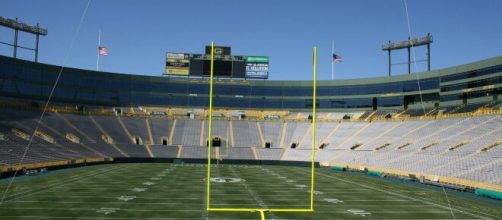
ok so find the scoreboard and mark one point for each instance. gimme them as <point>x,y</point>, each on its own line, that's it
<point>225,64</point>
<point>257,67</point>
<point>178,64</point>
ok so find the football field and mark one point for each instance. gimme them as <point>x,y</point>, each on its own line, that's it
<point>177,191</point>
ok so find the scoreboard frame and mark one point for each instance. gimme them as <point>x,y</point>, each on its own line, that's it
<point>243,67</point>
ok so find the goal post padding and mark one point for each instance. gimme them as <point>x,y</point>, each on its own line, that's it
<point>489,193</point>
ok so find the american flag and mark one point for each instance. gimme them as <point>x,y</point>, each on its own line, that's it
<point>337,58</point>
<point>103,51</point>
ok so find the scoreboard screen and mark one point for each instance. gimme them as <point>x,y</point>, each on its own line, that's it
<point>221,68</point>
<point>225,65</point>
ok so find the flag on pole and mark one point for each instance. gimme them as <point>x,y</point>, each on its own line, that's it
<point>103,51</point>
<point>337,58</point>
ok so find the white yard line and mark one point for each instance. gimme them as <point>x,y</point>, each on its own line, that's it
<point>62,183</point>
<point>132,203</point>
<point>407,197</point>
<point>163,218</point>
<point>255,197</point>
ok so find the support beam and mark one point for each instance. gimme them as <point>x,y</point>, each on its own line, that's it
<point>171,133</point>
<point>255,154</point>
<point>180,149</point>
<point>202,133</point>
<point>283,134</point>
<point>231,127</point>
<point>429,57</point>
<point>36,47</point>
<point>390,62</point>
<point>149,131</point>
<point>260,133</point>
<point>408,44</point>
<point>409,58</point>
<point>15,42</point>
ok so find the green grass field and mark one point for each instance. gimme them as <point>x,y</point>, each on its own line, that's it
<point>170,191</point>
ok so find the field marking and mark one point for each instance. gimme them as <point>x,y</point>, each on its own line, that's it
<point>168,218</point>
<point>216,204</point>
<point>284,188</point>
<point>88,217</point>
<point>226,180</point>
<point>126,198</point>
<point>237,196</point>
<point>139,189</point>
<point>359,212</point>
<point>204,215</point>
<point>58,184</point>
<point>333,200</point>
<point>107,211</point>
<point>132,202</point>
<point>255,197</point>
<point>317,192</point>
<point>198,199</point>
<point>198,210</point>
<point>405,196</point>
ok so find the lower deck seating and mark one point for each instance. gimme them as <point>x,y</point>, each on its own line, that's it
<point>164,151</point>
<point>462,147</point>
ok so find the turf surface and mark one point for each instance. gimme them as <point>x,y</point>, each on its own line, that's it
<point>170,191</point>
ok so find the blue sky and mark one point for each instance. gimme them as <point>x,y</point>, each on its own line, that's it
<point>139,33</point>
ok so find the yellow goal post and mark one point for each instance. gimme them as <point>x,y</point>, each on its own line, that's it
<point>209,146</point>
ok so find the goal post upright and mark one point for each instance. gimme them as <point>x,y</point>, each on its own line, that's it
<point>314,97</point>
<point>210,130</point>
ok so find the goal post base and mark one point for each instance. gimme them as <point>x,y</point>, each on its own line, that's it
<point>261,210</point>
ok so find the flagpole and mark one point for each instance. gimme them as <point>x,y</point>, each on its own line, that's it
<point>332,60</point>
<point>99,44</point>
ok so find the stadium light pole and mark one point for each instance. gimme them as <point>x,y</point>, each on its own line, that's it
<point>408,44</point>
<point>17,26</point>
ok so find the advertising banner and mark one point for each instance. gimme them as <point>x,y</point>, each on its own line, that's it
<point>177,64</point>
<point>257,67</point>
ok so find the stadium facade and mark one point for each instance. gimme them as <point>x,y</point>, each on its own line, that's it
<point>459,151</point>
<point>475,83</point>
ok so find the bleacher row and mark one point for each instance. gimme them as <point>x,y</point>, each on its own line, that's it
<point>462,147</point>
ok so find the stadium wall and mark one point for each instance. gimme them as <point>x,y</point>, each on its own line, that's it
<point>436,178</point>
